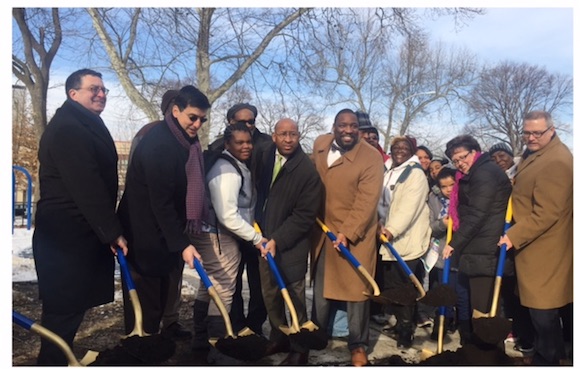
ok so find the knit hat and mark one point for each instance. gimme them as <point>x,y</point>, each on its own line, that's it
<point>167,99</point>
<point>502,146</point>
<point>236,108</point>
<point>411,140</point>
<point>364,121</point>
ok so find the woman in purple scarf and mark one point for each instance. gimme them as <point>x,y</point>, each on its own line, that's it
<point>477,207</point>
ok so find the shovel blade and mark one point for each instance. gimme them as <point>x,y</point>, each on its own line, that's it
<point>311,337</point>
<point>478,314</point>
<point>426,354</point>
<point>89,358</point>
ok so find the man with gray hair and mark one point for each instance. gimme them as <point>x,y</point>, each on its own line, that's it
<point>542,233</point>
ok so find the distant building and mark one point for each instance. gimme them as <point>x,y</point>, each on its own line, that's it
<point>123,148</point>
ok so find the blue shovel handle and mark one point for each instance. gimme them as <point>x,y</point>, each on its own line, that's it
<point>398,257</point>
<point>21,320</point>
<point>202,273</point>
<point>125,269</point>
<point>275,270</point>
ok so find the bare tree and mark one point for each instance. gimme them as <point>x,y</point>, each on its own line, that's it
<point>24,140</point>
<point>504,93</point>
<point>32,56</point>
<point>354,59</point>
<point>229,40</point>
<point>424,79</point>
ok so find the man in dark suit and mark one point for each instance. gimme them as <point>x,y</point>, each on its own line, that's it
<point>163,202</point>
<point>76,227</point>
<point>289,196</point>
<point>171,325</point>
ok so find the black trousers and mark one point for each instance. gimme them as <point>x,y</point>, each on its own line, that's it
<point>66,326</point>
<point>171,312</point>
<point>548,339</point>
<point>256,309</point>
<point>395,277</point>
<point>152,293</point>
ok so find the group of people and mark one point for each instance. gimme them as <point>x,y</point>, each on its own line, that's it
<point>182,203</point>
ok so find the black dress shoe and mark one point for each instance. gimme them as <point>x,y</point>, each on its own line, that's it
<point>276,347</point>
<point>295,358</point>
<point>176,331</point>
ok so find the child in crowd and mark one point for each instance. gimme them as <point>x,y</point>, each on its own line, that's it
<point>439,219</point>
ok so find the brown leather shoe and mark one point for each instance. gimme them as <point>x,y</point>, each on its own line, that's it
<point>359,357</point>
<point>276,347</point>
<point>295,358</point>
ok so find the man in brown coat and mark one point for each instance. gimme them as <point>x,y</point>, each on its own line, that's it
<point>542,233</point>
<point>352,173</point>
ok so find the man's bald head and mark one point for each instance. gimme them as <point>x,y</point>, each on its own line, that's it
<point>286,136</point>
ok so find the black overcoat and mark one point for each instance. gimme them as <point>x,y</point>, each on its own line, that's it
<point>75,219</point>
<point>483,198</point>
<point>287,211</point>
<point>152,209</point>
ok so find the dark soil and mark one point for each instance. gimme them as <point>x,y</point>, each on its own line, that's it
<point>101,331</point>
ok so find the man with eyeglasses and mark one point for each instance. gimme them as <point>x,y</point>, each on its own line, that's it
<point>542,233</point>
<point>289,194</point>
<point>76,230</point>
<point>352,174</point>
<point>164,204</point>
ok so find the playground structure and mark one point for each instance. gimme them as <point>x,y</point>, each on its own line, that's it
<point>27,210</point>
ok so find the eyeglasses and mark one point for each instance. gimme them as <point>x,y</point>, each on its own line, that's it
<point>193,118</point>
<point>250,121</point>
<point>536,134</point>
<point>293,135</point>
<point>95,89</point>
<point>460,158</point>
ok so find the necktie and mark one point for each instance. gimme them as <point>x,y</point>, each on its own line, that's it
<point>277,167</point>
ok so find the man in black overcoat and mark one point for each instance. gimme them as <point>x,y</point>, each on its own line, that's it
<point>289,197</point>
<point>76,228</point>
<point>164,202</point>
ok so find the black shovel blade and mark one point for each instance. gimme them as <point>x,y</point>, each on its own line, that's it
<point>135,350</point>
<point>313,340</point>
<point>442,295</point>
<point>247,348</point>
<point>491,330</point>
<point>406,295</point>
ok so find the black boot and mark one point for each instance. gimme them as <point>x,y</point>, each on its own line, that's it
<point>406,335</point>
<point>200,336</point>
<point>465,331</point>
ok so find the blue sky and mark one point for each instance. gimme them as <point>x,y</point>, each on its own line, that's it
<point>539,36</point>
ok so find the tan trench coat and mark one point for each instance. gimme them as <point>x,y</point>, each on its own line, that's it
<point>352,187</point>
<point>542,233</point>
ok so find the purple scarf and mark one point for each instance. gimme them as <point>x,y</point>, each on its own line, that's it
<point>195,205</point>
<point>454,198</point>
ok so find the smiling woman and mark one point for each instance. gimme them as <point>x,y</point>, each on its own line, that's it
<point>477,208</point>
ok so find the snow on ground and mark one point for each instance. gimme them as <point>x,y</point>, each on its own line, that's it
<point>23,269</point>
